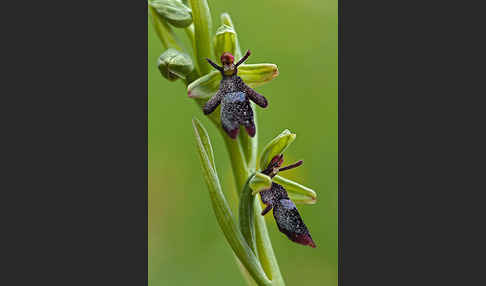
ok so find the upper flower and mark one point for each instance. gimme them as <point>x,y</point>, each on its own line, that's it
<point>234,96</point>
<point>232,84</point>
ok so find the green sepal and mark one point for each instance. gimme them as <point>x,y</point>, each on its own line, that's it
<point>276,147</point>
<point>298,193</point>
<point>224,41</point>
<point>226,20</point>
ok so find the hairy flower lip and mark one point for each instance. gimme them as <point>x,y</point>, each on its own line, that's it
<point>286,215</point>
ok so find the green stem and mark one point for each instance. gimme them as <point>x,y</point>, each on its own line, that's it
<point>241,172</point>
<point>164,31</point>
<point>265,250</point>
<point>238,161</point>
<point>202,29</point>
<point>247,215</point>
<point>190,34</point>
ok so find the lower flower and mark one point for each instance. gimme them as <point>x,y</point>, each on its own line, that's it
<point>286,215</point>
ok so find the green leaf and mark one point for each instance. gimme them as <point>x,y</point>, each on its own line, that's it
<point>199,129</point>
<point>222,210</point>
<point>164,31</point>
<point>297,192</point>
<point>249,280</point>
<point>202,31</point>
<point>174,11</point>
<point>276,147</point>
<point>253,75</point>
<point>246,214</point>
<point>260,182</point>
<point>174,65</point>
<point>224,41</point>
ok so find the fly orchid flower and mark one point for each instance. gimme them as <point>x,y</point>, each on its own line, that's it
<point>234,96</point>
<point>276,196</point>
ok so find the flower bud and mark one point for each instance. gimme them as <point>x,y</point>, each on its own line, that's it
<point>174,64</point>
<point>174,11</point>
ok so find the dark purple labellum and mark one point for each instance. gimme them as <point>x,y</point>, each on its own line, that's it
<point>234,96</point>
<point>286,215</point>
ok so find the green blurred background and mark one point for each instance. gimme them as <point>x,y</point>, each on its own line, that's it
<point>186,246</point>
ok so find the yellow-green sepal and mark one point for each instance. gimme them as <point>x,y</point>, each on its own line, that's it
<point>298,193</point>
<point>276,147</point>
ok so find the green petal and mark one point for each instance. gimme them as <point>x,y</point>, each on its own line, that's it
<point>297,192</point>
<point>276,147</point>
<point>174,64</point>
<point>174,11</point>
